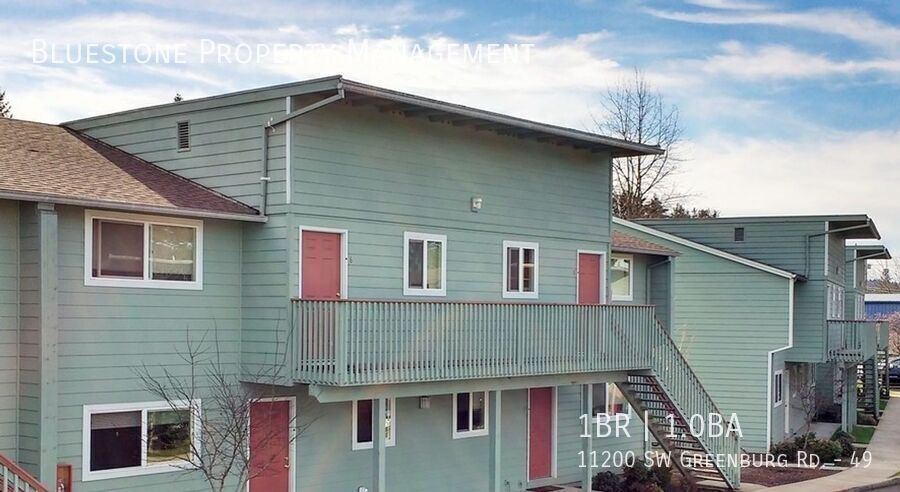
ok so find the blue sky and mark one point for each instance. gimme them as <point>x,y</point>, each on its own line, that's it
<point>788,107</point>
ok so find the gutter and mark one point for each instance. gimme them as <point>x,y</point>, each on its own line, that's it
<point>264,178</point>
<point>867,225</point>
<point>130,207</point>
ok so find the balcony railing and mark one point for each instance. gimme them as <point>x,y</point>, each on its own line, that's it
<point>884,335</point>
<point>352,342</point>
<point>852,340</point>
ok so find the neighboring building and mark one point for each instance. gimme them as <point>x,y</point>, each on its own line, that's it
<point>420,285</point>
<point>724,307</point>
<point>882,305</point>
<point>814,249</point>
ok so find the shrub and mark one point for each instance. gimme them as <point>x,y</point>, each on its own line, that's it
<point>606,481</point>
<point>803,440</point>
<point>641,475</point>
<point>827,451</point>
<point>787,448</point>
<point>846,442</point>
<point>865,419</point>
<point>645,487</point>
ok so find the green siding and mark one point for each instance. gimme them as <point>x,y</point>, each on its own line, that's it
<point>726,311</point>
<point>837,263</point>
<point>29,339</point>
<point>9,326</point>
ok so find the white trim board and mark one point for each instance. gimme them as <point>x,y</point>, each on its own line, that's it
<point>630,296</point>
<point>706,249</point>
<point>354,444</point>
<point>882,297</point>
<point>520,294</point>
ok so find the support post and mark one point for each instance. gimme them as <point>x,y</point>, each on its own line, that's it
<point>379,414</point>
<point>49,336</point>
<point>587,398</point>
<point>494,425</point>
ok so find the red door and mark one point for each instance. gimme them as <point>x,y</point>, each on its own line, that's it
<point>540,433</point>
<point>590,278</point>
<point>321,265</point>
<point>270,446</point>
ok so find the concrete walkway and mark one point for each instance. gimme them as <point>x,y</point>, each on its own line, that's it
<point>885,449</point>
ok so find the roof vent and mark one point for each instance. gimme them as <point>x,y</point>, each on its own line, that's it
<point>184,136</point>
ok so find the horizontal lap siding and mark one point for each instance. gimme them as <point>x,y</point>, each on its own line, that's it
<point>29,326</point>
<point>378,175</point>
<point>9,326</point>
<point>106,334</point>
<point>728,317</point>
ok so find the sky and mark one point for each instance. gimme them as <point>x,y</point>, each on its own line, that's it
<point>788,107</point>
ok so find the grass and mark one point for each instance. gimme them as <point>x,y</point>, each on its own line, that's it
<point>863,435</point>
<point>882,404</point>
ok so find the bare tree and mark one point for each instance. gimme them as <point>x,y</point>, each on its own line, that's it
<point>635,112</point>
<point>808,400</point>
<point>222,454</point>
<point>5,108</point>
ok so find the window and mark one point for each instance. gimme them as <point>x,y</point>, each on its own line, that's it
<point>425,264</point>
<point>778,388</point>
<point>470,414</point>
<point>127,250</point>
<point>608,400</point>
<point>739,234</point>
<point>138,439</point>
<point>621,280</point>
<point>520,270</point>
<point>183,133</point>
<point>834,301</point>
<point>362,423</point>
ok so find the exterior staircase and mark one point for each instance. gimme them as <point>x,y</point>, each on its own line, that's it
<point>869,398</point>
<point>15,479</point>
<point>670,395</point>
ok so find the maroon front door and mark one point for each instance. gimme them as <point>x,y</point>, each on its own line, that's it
<point>321,267</point>
<point>590,278</point>
<point>270,446</point>
<point>540,433</point>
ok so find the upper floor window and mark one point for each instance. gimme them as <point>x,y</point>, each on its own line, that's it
<point>363,420</point>
<point>127,250</point>
<point>621,277</point>
<point>137,439</point>
<point>834,301</point>
<point>520,270</point>
<point>470,414</point>
<point>424,264</point>
<point>608,400</point>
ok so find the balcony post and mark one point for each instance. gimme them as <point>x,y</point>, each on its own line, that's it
<point>494,425</point>
<point>379,414</point>
<point>340,344</point>
<point>587,397</point>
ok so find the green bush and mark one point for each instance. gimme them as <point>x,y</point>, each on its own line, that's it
<point>865,419</point>
<point>606,481</point>
<point>640,475</point>
<point>803,440</point>
<point>827,451</point>
<point>845,440</point>
<point>645,487</point>
<point>787,448</point>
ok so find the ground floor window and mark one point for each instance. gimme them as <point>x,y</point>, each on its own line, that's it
<point>136,439</point>
<point>608,400</point>
<point>778,388</point>
<point>363,421</point>
<point>470,414</point>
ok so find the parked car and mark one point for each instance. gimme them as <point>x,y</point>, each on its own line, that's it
<point>894,372</point>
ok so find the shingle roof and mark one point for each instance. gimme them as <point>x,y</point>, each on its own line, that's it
<point>49,162</point>
<point>627,243</point>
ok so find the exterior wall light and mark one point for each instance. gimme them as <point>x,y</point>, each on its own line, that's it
<point>476,203</point>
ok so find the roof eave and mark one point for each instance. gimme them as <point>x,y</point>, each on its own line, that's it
<point>640,251</point>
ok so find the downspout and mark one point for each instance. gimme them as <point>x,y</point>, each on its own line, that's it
<point>264,178</point>
<point>867,225</point>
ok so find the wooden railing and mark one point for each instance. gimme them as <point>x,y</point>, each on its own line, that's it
<point>851,340</point>
<point>14,479</point>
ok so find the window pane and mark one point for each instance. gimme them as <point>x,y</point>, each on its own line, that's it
<point>388,420</point>
<point>172,252</point>
<point>598,399</point>
<point>168,435</point>
<point>619,277</point>
<point>462,411</point>
<point>478,410</point>
<point>364,421</point>
<point>615,401</point>
<point>415,263</point>
<point>512,269</point>
<point>528,270</point>
<point>118,249</point>
<point>115,440</point>
<point>434,265</point>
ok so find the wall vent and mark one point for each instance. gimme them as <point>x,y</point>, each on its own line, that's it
<point>739,234</point>
<point>184,135</point>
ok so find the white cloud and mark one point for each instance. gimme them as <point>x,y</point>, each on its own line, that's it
<point>727,4</point>
<point>816,173</point>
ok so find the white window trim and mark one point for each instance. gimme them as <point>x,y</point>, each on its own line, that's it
<point>345,256</point>
<point>457,434</point>
<point>356,446</point>
<point>424,291</point>
<point>147,221</point>
<point>177,465</point>
<point>512,294</point>
<point>630,296</point>
<point>778,388</point>
<point>629,413</point>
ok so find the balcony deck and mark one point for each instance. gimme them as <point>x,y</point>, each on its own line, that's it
<point>852,340</point>
<point>350,342</point>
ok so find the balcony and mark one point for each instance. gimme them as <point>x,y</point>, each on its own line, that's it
<point>350,342</point>
<point>852,340</point>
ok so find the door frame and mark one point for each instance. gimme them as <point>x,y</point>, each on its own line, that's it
<point>345,256</point>
<point>554,439</point>
<point>292,436</point>
<point>604,272</point>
